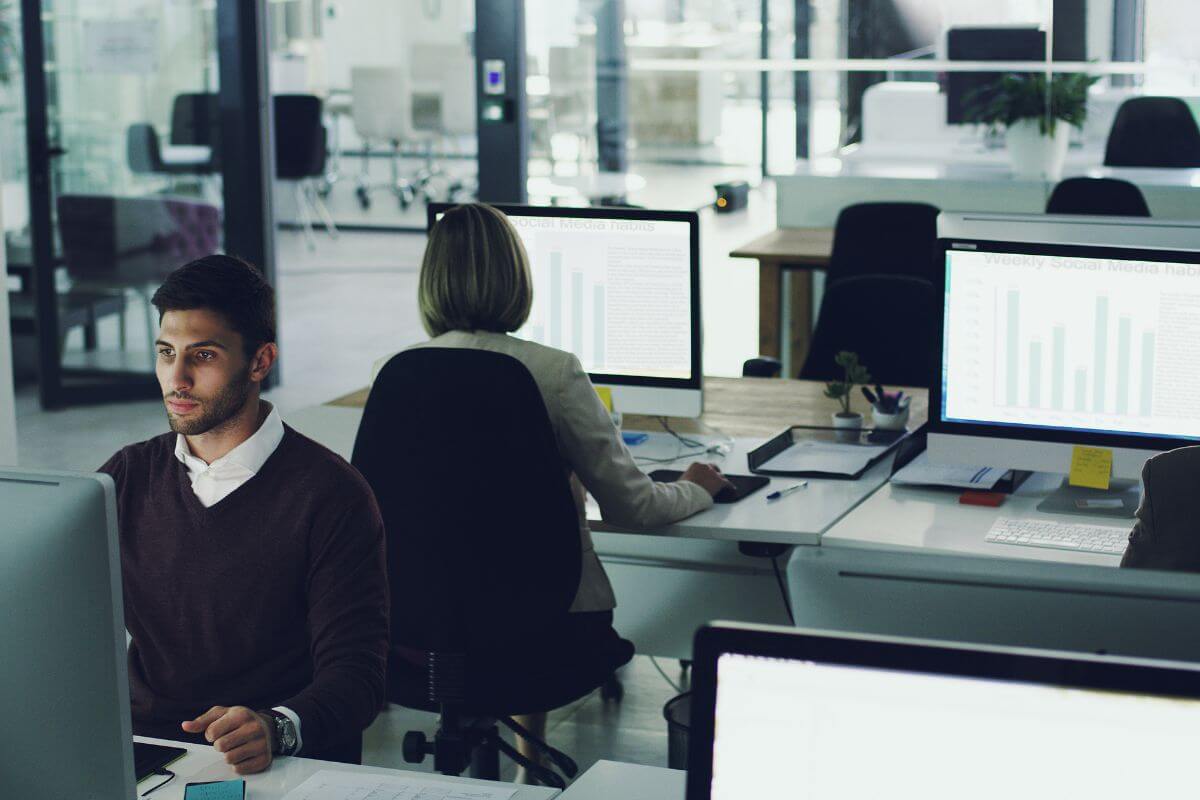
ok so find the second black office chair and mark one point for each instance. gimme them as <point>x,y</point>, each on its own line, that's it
<point>1099,196</point>
<point>484,555</point>
<point>1153,132</point>
<point>884,239</point>
<point>889,320</point>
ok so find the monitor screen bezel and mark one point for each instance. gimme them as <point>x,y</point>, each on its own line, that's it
<point>981,662</point>
<point>693,382</point>
<point>1072,436</point>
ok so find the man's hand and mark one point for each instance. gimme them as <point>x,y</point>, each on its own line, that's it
<point>244,736</point>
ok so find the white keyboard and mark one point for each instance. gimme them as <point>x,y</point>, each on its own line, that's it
<point>1059,535</point>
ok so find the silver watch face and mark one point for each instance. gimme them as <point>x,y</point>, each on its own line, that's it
<point>287,733</point>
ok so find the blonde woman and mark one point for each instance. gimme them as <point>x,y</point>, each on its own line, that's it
<point>475,289</point>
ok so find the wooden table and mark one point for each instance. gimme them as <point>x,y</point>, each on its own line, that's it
<point>786,259</point>
<point>745,407</point>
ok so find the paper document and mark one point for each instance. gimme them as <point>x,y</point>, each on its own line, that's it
<point>334,785</point>
<point>829,457</point>
<point>923,472</point>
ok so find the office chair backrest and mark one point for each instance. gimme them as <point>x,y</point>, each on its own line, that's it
<point>1153,132</point>
<point>889,320</point>
<point>482,531</point>
<point>884,239</point>
<point>300,136</point>
<point>134,240</point>
<point>381,100</point>
<point>1100,196</point>
<point>142,150</point>
<point>196,120</point>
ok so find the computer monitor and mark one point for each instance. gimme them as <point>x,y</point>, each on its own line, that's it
<point>996,601</point>
<point>619,288</point>
<point>998,43</point>
<point>1061,331</point>
<point>795,713</point>
<point>63,680</point>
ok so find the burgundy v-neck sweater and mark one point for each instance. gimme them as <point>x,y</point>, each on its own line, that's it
<point>277,595</point>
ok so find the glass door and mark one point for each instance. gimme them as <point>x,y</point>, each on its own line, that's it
<point>124,181</point>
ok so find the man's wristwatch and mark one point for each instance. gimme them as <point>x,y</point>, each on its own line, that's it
<point>283,734</point>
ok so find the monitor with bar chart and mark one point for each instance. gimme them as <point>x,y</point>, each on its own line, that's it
<point>619,288</point>
<point>1074,342</point>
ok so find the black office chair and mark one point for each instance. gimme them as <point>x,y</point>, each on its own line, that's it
<point>143,151</point>
<point>196,120</point>
<point>300,154</point>
<point>884,239</point>
<point>483,554</point>
<point>1153,132</point>
<point>1100,196</point>
<point>889,320</point>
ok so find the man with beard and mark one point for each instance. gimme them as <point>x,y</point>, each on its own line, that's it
<point>252,557</point>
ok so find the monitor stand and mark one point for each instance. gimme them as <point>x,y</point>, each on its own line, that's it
<point>1119,500</point>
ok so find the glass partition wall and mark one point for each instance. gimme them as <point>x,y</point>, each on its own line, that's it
<point>763,87</point>
<point>124,185</point>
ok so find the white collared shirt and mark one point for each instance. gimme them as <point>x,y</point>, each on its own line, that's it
<point>213,482</point>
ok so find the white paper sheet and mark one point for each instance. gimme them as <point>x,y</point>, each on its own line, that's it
<point>923,472</point>
<point>829,457</point>
<point>334,785</point>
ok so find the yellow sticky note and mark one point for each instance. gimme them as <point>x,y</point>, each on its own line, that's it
<point>605,393</point>
<point>1091,467</point>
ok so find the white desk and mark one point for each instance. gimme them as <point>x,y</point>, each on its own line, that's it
<point>820,188</point>
<point>799,518</point>
<point>610,780</point>
<point>202,763</point>
<point>933,521</point>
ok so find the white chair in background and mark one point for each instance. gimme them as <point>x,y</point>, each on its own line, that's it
<point>443,81</point>
<point>382,110</point>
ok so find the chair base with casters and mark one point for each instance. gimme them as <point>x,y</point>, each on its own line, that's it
<point>472,710</point>
<point>404,189</point>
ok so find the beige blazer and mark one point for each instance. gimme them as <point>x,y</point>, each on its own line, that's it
<point>592,450</point>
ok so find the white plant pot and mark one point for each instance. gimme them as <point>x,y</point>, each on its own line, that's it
<point>847,426</point>
<point>890,422</point>
<point>1036,156</point>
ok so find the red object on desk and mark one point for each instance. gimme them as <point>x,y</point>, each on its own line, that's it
<point>989,499</point>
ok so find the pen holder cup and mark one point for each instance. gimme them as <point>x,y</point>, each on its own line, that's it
<point>890,422</point>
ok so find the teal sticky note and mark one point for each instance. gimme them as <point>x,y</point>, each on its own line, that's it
<point>216,790</point>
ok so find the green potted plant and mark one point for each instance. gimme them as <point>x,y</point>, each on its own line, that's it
<point>853,374</point>
<point>1036,116</point>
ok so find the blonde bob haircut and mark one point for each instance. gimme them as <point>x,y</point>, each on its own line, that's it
<point>475,273</point>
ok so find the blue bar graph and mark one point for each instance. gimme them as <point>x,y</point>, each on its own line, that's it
<point>598,320</point>
<point>1058,368</point>
<point>1100,362</point>
<point>577,312</point>
<point>556,331</point>
<point>1147,374</point>
<point>1035,374</point>
<point>1013,344</point>
<point>1124,332</point>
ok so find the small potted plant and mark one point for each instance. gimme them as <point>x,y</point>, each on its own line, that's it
<point>853,374</point>
<point>889,410</point>
<point>1036,116</point>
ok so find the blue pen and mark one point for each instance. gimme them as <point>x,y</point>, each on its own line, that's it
<point>778,493</point>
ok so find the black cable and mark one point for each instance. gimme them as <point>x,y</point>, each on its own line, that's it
<point>170,777</point>
<point>787,603</point>
<point>685,442</point>
<point>649,460</point>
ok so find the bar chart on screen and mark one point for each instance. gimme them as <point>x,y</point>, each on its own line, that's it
<point>1078,343</point>
<point>617,294</point>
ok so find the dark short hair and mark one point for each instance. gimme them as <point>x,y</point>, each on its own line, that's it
<point>228,286</point>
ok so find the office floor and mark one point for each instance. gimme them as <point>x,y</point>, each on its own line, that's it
<point>632,730</point>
